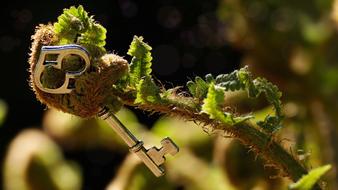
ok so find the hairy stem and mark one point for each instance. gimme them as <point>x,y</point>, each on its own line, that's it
<point>260,142</point>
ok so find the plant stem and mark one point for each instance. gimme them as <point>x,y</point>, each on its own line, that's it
<point>260,142</point>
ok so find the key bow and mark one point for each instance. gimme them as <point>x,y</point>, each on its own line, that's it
<point>61,52</point>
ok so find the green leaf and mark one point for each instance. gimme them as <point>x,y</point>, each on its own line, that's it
<point>75,26</point>
<point>271,92</point>
<point>96,34</point>
<point>241,80</point>
<point>270,124</point>
<point>94,39</point>
<point>230,81</point>
<point>273,95</point>
<point>141,63</point>
<point>198,88</point>
<point>72,22</point>
<point>308,181</point>
<point>213,103</point>
<point>147,91</point>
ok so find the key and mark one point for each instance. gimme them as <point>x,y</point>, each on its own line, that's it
<point>152,158</point>
<point>61,52</point>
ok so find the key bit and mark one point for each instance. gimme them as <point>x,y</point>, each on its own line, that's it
<point>158,155</point>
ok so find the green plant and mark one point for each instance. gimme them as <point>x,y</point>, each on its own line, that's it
<point>35,161</point>
<point>112,82</point>
<point>308,181</point>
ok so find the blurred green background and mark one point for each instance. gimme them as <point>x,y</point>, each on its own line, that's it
<point>292,43</point>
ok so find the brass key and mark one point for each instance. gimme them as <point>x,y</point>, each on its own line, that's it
<point>152,158</point>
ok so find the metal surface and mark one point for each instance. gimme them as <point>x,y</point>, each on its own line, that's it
<point>61,52</point>
<point>168,147</point>
<point>152,158</point>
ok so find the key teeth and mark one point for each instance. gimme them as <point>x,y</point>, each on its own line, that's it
<point>158,155</point>
<point>168,142</point>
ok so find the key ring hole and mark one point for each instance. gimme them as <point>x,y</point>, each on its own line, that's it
<point>73,63</point>
<point>52,77</point>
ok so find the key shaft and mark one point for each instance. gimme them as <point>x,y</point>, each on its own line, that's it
<point>119,128</point>
<point>135,145</point>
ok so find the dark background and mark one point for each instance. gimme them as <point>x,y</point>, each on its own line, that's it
<point>186,37</point>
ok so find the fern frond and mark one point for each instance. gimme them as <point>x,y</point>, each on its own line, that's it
<point>75,26</point>
<point>240,80</point>
<point>198,88</point>
<point>213,104</point>
<point>147,91</point>
<point>141,63</point>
